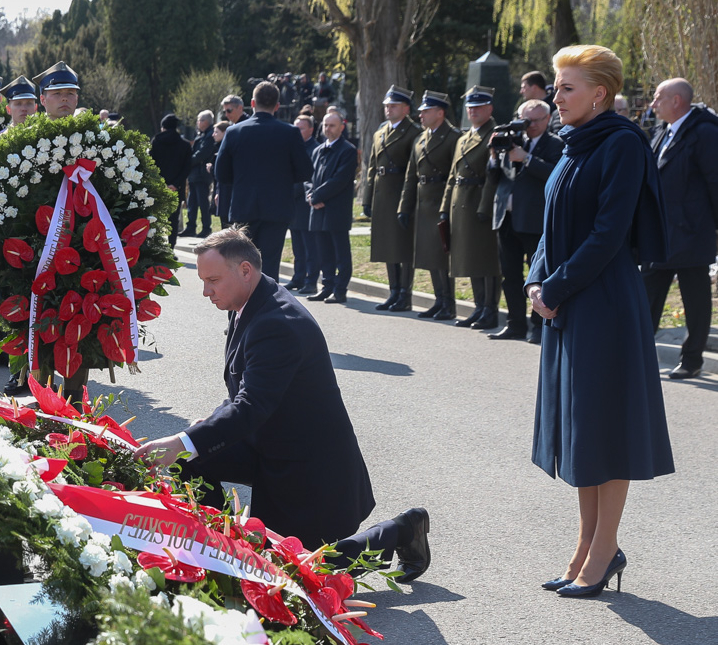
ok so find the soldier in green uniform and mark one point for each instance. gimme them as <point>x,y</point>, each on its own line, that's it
<point>468,203</point>
<point>391,242</point>
<point>424,184</point>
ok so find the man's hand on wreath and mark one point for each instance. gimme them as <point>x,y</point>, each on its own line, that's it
<point>165,449</point>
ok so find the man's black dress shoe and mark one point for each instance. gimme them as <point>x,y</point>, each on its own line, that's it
<point>431,311</point>
<point>307,290</point>
<point>292,285</point>
<point>681,372</point>
<point>335,299</point>
<point>187,233</point>
<point>508,334</point>
<point>205,232</point>
<point>489,320</point>
<point>414,555</point>
<point>535,336</point>
<point>322,295</point>
<point>13,388</point>
<point>471,319</point>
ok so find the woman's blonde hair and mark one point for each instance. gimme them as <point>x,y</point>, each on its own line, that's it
<point>599,66</point>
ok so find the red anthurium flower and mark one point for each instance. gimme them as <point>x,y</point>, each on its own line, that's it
<point>59,440</point>
<point>86,405</point>
<point>255,531</point>
<point>67,358</point>
<point>342,583</point>
<point>51,402</point>
<point>91,308</point>
<point>114,340</point>
<point>71,304</point>
<point>132,254</point>
<point>116,428</point>
<point>43,217</point>
<point>135,233</point>
<point>93,280</point>
<point>15,309</point>
<point>93,235</point>
<point>49,326</point>
<point>17,413</point>
<point>76,329</point>
<point>171,567</point>
<point>44,282</point>
<point>115,305</point>
<point>116,485</point>
<point>82,201</point>
<point>158,274</point>
<point>66,260</point>
<point>148,310</point>
<point>99,441</point>
<point>17,251</point>
<point>143,287</point>
<point>17,346</point>
<point>269,606</point>
<point>289,549</point>
<point>328,601</point>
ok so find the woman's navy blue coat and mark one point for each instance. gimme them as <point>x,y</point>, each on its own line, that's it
<point>599,413</point>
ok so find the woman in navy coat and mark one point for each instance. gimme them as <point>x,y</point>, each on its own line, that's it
<point>600,420</point>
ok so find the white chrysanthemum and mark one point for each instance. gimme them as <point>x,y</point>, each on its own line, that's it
<point>89,135</point>
<point>104,135</point>
<point>49,506</point>
<point>120,562</point>
<point>128,174</point>
<point>28,486</point>
<point>149,202</point>
<point>13,462</point>
<point>75,139</point>
<point>137,176</point>
<point>106,153</point>
<point>58,154</point>
<point>94,558</point>
<point>101,540</point>
<point>55,167</point>
<point>42,157</point>
<point>118,580</point>
<point>144,579</point>
<point>132,205</point>
<point>151,218</point>
<point>14,181</point>
<point>73,530</point>
<point>91,152</point>
<point>122,164</point>
<point>75,150</point>
<point>134,162</point>
<point>4,173</point>
<point>25,167</point>
<point>36,178</point>
<point>13,160</point>
<point>11,211</point>
<point>129,152</point>
<point>141,194</point>
<point>124,188</point>
<point>22,191</point>
<point>118,146</point>
<point>109,173</point>
<point>3,199</point>
<point>43,145</point>
<point>28,152</point>
<point>60,141</point>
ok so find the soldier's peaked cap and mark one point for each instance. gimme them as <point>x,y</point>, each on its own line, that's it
<point>58,77</point>
<point>20,88</point>
<point>397,94</point>
<point>478,96</point>
<point>434,99</point>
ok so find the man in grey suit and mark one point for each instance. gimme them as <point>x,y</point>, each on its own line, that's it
<point>518,212</point>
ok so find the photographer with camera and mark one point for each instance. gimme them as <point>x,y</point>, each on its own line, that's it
<point>523,155</point>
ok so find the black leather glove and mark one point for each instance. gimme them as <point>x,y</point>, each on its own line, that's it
<point>443,217</point>
<point>403,220</point>
<point>367,210</point>
<point>483,217</point>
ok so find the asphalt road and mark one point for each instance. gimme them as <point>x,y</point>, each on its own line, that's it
<point>444,417</point>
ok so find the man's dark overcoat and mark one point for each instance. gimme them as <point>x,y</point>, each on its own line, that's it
<point>332,184</point>
<point>262,158</point>
<point>173,155</point>
<point>424,184</point>
<point>469,200</point>
<point>284,429</point>
<point>600,414</point>
<point>300,222</point>
<point>390,151</point>
<point>202,154</point>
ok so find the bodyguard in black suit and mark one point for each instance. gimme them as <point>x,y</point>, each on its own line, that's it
<point>331,195</point>
<point>685,148</point>
<point>263,158</point>
<point>519,212</point>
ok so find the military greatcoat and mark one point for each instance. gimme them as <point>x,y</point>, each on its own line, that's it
<point>426,175</point>
<point>469,199</point>
<point>389,158</point>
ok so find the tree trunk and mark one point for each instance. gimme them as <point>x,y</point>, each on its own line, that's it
<point>564,26</point>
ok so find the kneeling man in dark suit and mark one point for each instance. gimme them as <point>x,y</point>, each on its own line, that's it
<point>284,429</point>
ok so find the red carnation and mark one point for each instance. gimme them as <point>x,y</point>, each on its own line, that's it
<point>50,328</point>
<point>43,217</point>
<point>71,304</point>
<point>17,251</point>
<point>17,346</point>
<point>66,260</point>
<point>132,253</point>
<point>115,305</point>
<point>15,308</point>
<point>142,287</point>
<point>44,282</point>
<point>135,233</point>
<point>67,358</point>
<point>91,309</point>
<point>148,310</point>
<point>93,280</point>
<point>76,329</point>
<point>158,274</point>
<point>93,235</point>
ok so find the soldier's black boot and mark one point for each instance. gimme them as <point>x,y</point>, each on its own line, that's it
<point>490,316</point>
<point>393,270</point>
<point>403,303</point>
<point>477,286</point>
<point>438,285</point>
<point>448,304</point>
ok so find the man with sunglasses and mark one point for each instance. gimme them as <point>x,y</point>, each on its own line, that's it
<point>233,108</point>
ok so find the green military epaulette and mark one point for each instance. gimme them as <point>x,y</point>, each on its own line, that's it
<point>414,124</point>
<point>455,129</point>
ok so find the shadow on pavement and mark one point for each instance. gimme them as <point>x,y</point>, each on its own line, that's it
<point>664,624</point>
<point>361,364</point>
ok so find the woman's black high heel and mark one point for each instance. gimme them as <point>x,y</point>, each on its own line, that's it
<point>557,583</point>
<point>616,567</point>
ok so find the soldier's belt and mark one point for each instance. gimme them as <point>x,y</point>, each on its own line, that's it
<point>388,170</point>
<point>469,181</point>
<point>433,179</point>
